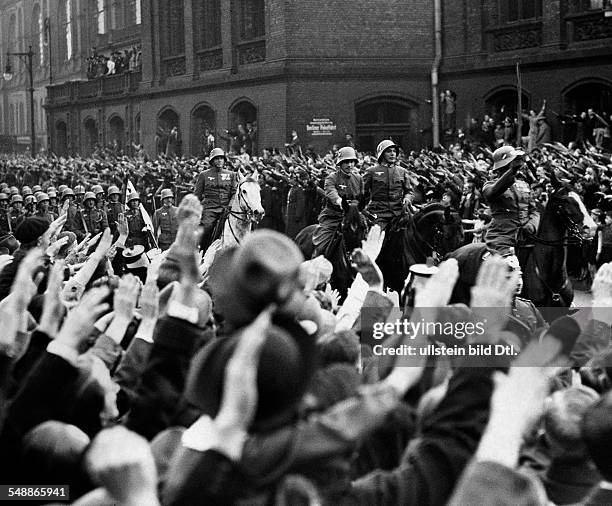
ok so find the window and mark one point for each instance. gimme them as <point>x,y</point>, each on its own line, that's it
<point>68,29</point>
<point>36,28</point>
<point>208,29</point>
<point>116,14</point>
<point>173,28</point>
<point>517,10</point>
<point>252,19</point>
<point>20,30</point>
<point>576,6</point>
<point>101,10</point>
<point>132,12</point>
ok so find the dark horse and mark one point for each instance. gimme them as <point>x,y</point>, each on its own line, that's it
<point>433,231</point>
<point>351,231</point>
<point>408,240</point>
<point>545,278</point>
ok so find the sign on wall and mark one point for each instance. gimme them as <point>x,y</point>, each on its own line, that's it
<point>321,126</point>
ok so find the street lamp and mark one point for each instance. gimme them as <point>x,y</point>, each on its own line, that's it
<point>8,75</point>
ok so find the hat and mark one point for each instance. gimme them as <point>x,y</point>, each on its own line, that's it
<point>31,229</point>
<point>67,192</point>
<point>90,196</point>
<point>42,197</point>
<point>166,193</point>
<point>79,190</point>
<point>26,190</point>
<point>113,190</point>
<point>97,189</point>
<point>504,155</point>
<point>346,154</point>
<point>382,147</point>
<point>216,153</point>
<point>3,196</point>
<point>16,198</point>
<point>133,196</point>
<point>52,194</point>
<point>135,257</point>
<point>286,365</point>
<point>263,270</point>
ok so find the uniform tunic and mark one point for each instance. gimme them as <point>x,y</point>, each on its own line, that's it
<point>386,185</point>
<point>165,223</point>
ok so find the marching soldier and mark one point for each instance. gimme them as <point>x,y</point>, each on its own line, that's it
<point>98,191</point>
<point>42,207</point>
<point>5,218</point>
<point>165,220</point>
<point>79,194</point>
<point>29,203</point>
<point>53,203</point>
<point>73,217</point>
<point>343,184</point>
<point>138,233</point>
<point>387,185</point>
<point>113,209</point>
<point>214,188</point>
<point>93,220</point>
<point>16,213</point>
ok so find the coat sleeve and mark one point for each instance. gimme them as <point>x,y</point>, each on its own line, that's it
<point>199,186</point>
<point>367,184</point>
<point>494,189</point>
<point>432,464</point>
<point>331,192</point>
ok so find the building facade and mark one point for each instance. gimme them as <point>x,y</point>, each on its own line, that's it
<point>323,69</point>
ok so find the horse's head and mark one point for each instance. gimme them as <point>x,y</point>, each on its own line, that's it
<point>569,208</point>
<point>249,197</point>
<point>354,227</point>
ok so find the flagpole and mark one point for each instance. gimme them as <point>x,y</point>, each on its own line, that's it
<point>519,89</point>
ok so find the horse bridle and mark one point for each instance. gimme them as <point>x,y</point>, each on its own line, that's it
<point>244,216</point>
<point>573,235</point>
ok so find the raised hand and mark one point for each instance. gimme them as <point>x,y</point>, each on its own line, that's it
<point>367,267</point>
<point>189,209</point>
<point>53,309</point>
<point>149,302</point>
<point>55,246</point>
<point>104,245</point>
<point>372,245</point>
<point>121,461</point>
<point>126,295</point>
<point>602,294</point>
<point>439,287</point>
<point>122,226</point>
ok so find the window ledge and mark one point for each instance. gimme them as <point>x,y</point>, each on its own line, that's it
<point>511,25</point>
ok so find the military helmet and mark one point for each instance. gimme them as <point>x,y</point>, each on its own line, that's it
<point>90,196</point>
<point>112,190</point>
<point>61,188</point>
<point>97,189</point>
<point>68,192</point>
<point>14,190</point>
<point>166,193</point>
<point>504,155</point>
<point>383,146</point>
<point>42,197</point>
<point>216,153</point>
<point>52,193</point>
<point>36,188</point>
<point>3,196</point>
<point>16,198</point>
<point>346,154</point>
<point>30,199</point>
<point>26,190</point>
<point>79,190</point>
<point>133,196</point>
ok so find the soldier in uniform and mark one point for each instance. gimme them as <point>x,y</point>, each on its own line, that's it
<point>137,228</point>
<point>165,220</point>
<point>214,188</point>
<point>515,215</point>
<point>72,215</point>
<point>5,219</point>
<point>29,204</point>
<point>387,185</point>
<point>93,220</point>
<point>343,184</point>
<point>16,213</point>
<point>42,207</point>
<point>79,194</point>
<point>113,209</point>
<point>99,193</point>
<point>53,204</point>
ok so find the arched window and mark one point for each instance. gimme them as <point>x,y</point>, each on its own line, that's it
<point>243,117</point>
<point>36,26</point>
<point>90,138</point>
<point>506,99</point>
<point>60,146</point>
<point>382,118</point>
<point>117,132</point>
<point>20,29</point>
<point>172,25</point>
<point>207,32</point>
<point>202,123</point>
<point>252,19</point>
<point>168,135</point>
<point>133,13</point>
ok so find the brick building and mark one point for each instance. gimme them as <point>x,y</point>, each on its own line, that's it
<point>324,69</point>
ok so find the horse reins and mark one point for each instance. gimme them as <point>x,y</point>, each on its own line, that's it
<point>245,216</point>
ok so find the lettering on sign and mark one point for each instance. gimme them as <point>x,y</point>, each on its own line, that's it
<point>321,126</point>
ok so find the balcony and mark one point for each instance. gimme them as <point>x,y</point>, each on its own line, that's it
<point>515,36</point>
<point>104,87</point>
<point>588,25</point>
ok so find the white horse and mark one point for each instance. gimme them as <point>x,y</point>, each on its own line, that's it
<point>245,210</point>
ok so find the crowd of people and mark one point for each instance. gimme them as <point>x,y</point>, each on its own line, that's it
<point>137,377</point>
<point>117,62</point>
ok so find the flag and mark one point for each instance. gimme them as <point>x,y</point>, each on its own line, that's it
<point>46,28</point>
<point>145,215</point>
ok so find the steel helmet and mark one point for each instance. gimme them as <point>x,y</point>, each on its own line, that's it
<point>166,193</point>
<point>3,196</point>
<point>41,197</point>
<point>112,190</point>
<point>52,194</point>
<point>26,190</point>
<point>97,189</point>
<point>16,198</point>
<point>51,189</point>
<point>504,155</point>
<point>14,190</point>
<point>68,192</point>
<point>383,146</point>
<point>90,196</point>
<point>30,199</point>
<point>79,190</point>
<point>36,188</point>
<point>133,196</point>
<point>346,154</point>
<point>216,153</point>
<point>62,187</point>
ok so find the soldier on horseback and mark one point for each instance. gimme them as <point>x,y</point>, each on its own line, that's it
<point>515,216</point>
<point>345,184</point>
<point>214,188</point>
<point>387,185</point>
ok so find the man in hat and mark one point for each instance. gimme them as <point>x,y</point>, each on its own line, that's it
<point>53,205</point>
<point>93,220</point>
<point>42,207</point>
<point>165,220</point>
<point>214,188</point>
<point>113,209</point>
<point>387,185</point>
<point>514,214</point>
<point>72,211</point>
<point>79,195</point>
<point>343,185</point>
<point>137,227</point>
